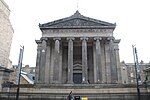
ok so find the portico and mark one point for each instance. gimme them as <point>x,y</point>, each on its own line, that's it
<point>77,50</point>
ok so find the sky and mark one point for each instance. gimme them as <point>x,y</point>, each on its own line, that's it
<point>131,17</point>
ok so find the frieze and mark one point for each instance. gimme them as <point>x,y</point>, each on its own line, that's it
<point>78,31</point>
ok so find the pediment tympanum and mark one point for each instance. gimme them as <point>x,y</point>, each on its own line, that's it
<point>77,21</point>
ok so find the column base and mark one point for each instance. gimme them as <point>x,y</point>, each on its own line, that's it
<point>85,82</point>
<point>99,82</point>
<point>70,82</point>
<point>56,82</point>
<point>114,82</point>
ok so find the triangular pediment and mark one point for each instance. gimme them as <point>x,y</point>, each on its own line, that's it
<point>77,21</point>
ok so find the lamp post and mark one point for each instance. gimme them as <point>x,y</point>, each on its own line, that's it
<point>19,71</point>
<point>136,70</point>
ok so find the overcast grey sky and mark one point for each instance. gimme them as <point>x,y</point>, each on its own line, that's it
<point>131,16</point>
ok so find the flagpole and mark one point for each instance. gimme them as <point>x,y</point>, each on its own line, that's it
<point>136,70</point>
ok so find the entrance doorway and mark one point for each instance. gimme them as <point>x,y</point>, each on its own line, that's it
<point>77,78</point>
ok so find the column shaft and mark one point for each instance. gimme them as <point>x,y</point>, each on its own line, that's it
<point>70,60</point>
<point>107,61</point>
<point>52,62</point>
<point>112,63</point>
<point>98,61</point>
<point>60,63</point>
<point>84,61</point>
<point>56,60</point>
<point>47,64</point>
<point>37,71</point>
<point>43,60</point>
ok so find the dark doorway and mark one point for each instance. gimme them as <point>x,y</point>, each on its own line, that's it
<point>77,78</point>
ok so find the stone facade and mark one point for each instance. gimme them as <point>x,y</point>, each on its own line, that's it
<point>28,69</point>
<point>147,74</point>
<point>129,75</point>
<point>60,92</point>
<point>4,75</point>
<point>127,72</point>
<point>77,50</point>
<point>13,78</point>
<point>6,34</point>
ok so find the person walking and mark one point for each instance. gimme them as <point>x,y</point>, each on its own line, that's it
<point>70,96</point>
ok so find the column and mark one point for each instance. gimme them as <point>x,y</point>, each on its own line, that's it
<point>84,61</point>
<point>43,59</point>
<point>103,61</point>
<point>70,60</point>
<point>52,62</point>
<point>98,60</point>
<point>47,63</point>
<point>37,71</point>
<point>107,61</point>
<point>56,60</point>
<point>118,60</point>
<point>60,62</point>
<point>112,62</point>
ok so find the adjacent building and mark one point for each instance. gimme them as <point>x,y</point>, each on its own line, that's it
<point>147,76</point>
<point>129,74</point>
<point>6,34</point>
<point>27,75</point>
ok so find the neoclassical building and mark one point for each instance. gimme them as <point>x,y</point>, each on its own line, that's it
<point>78,54</point>
<point>77,50</point>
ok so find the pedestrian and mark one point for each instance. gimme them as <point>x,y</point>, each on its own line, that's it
<point>70,96</point>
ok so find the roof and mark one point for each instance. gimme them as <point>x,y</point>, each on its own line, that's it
<point>77,21</point>
<point>28,77</point>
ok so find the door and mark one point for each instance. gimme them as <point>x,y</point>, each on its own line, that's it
<point>77,78</point>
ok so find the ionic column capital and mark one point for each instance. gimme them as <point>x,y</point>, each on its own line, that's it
<point>70,38</point>
<point>111,38</point>
<point>44,44</point>
<point>84,38</point>
<point>44,39</point>
<point>97,38</point>
<point>56,39</point>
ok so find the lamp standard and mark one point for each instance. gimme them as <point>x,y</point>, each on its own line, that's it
<point>136,70</point>
<point>19,71</point>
